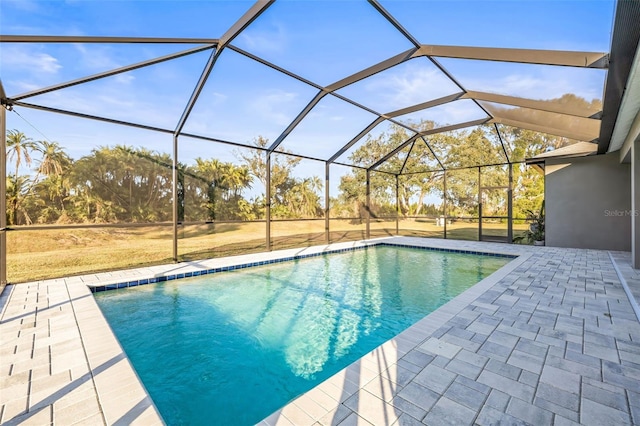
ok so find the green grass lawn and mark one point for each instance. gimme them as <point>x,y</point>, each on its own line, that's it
<point>41,254</point>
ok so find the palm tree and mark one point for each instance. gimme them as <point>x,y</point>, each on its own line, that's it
<point>19,146</point>
<point>54,160</point>
<point>238,178</point>
<point>16,193</point>
<point>53,164</point>
<point>52,194</point>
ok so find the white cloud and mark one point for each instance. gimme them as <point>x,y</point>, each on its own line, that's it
<point>538,83</point>
<point>452,113</point>
<point>121,103</point>
<point>111,99</point>
<point>520,85</point>
<point>411,88</point>
<point>274,106</point>
<point>209,104</point>
<point>217,98</point>
<point>459,112</point>
<point>125,78</point>
<point>25,58</point>
<point>24,86</point>
<point>96,58</point>
<point>407,85</point>
<point>27,5</point>
<point>71,99</point>
<point>273,39</point>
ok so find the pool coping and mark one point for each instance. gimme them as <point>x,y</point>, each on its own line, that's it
<point>198,270</point>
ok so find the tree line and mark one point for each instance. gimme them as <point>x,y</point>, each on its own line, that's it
<point>114,184</point>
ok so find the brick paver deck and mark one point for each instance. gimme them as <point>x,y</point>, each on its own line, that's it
<point>554,341</point>
<point>549,339</point>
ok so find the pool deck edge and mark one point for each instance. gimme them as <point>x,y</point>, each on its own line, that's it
<point>549,338</point>
<point>65,365</point>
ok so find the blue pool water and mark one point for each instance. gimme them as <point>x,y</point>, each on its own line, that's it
<point>233,347</point>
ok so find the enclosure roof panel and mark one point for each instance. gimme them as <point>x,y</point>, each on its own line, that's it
<point>566,105</point>
<point>586,129</point>
<point>523,24</point>
<point>323,41</point>
<point>143,19</point>
<point>323,78</point>
<point>411,82</point>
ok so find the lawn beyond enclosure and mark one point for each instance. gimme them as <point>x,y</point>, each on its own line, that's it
<point>40,254</point>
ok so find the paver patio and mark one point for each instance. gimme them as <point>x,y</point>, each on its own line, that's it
<point>551,338</point>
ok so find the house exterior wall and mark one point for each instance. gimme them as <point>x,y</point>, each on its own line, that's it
<point>635,203</point>
<point>588,203</point>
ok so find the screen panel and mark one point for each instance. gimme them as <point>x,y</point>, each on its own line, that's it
<point>304,36</point>
<point>566,25</point>
<point>407,84</point>
<point>244,99</point>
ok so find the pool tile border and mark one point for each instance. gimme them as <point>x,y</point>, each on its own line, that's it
<point>172,277</point>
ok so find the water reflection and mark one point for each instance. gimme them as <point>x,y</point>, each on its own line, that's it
<point>316,310</point>
<point>242,344</point>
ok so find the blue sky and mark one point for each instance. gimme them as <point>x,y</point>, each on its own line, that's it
<point>323,41</point>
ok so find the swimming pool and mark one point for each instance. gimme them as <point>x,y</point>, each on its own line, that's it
<point>231,348</point>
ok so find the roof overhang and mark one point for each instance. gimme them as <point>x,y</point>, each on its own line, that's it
<point>624,47</point>
<point>578,149</point>
<point>627,127</point>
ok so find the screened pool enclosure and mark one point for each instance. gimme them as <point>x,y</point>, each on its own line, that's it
<point>126,149</point>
